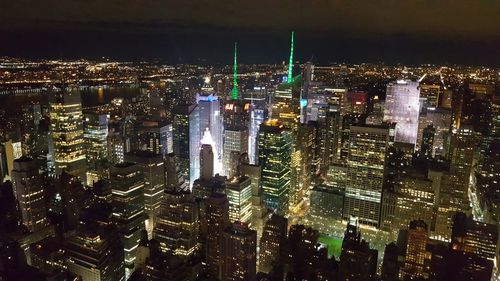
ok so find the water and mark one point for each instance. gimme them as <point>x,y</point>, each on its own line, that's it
<point>90,97</point>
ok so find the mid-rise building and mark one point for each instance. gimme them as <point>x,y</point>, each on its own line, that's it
<point>418,235</point>
<point>30,194</point>
<point>272,242</point>
<point>217,217</point>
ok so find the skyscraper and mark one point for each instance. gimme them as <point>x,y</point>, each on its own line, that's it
<point>127,188</point>
<point>275,157</point>
<point>29,193</point>
<point>238,255</point>
<point>272,242</point>
<point>177,224</point>
<point>209,107</point>
<point>66,132</point>
<point>402,107</point>
<point>239,194</point>
<point>153,169</point>
<point>187,141</point>
<point>95,133</point>
<point>366,163</point>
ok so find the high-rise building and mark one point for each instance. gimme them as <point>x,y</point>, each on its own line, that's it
<point>236,117</point>
<point>95,133</point>
<point>239,194</point>
<point>127,188</point>
<point>366,165</point>
<point>258,99</point>
<point>272,242</point>
<point>29,193</point>
<point>95,253</point>
<point>440,119</point>
<point>187,141</point>
<point>177,224</point>
<point>238,253</point>
<point>217,217</point>
<point>402,107</point>
<point>153,169</point>
<point>328,203</point>
<point>206,162</point>
<point>66,132</point>
<point>275,149</point>
<point>418,235</point>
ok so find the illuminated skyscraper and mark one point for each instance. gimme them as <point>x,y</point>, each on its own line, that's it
<point>153,170</point>
<point>127,187</point>
<point>156,137</point>
<point>402,107</point>
<point>259,210</point>
<point>236,115</point>
<point>66,132</point>
<point>238,255</point>
<point>366,163</point>
<point>258,113</point>
<point>177,224</point>
<point>187,141</point>
<point>217,216</point>
<point>239,194</point>
<point>272,242</point>
<point>418,236</point>
<point>209,106</point>
<point>29,193</point>
<point>274,157</point>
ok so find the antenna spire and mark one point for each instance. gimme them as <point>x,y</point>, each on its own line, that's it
<point>234,94</point>
<point>290,62</point>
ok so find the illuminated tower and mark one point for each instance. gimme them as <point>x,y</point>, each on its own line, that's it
<point>127,188</point>
<point>66,132</point>
<point>275,147</point>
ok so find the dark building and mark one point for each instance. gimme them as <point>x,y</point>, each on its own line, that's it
<point>239,253</point>
<point>272,242</point>
<point>357,261</point>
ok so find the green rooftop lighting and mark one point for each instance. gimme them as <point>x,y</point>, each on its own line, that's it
<point>290,62</point>
<point>234,94</point>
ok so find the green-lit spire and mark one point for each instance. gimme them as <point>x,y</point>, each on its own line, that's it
<point>290,62</point>
<point>234,94</point>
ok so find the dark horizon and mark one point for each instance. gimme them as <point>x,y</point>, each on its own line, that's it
<point>394,32</point>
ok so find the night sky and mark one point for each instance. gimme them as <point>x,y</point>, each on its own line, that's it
<point>391,31</point>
